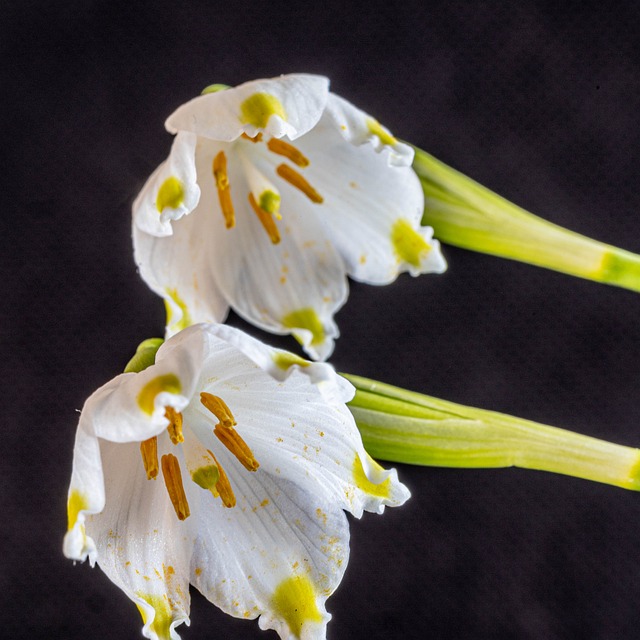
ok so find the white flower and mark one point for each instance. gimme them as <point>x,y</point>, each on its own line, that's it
<point>226,464</point>
<point>288,189</point>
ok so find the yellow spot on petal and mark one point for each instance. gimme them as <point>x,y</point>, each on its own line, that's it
<point>77,502</point>
<point>259,107</point>
<point>408,244</point>
<point>185,320</point>
<point>284,360</point>
<point>206,477</point>
<point>167,382</point>
<point>376,129</point>
<point>308,319</point>
<point>170,194</point>
<point>163,618</point>
<point>382,490</point>
<point>294,600</point>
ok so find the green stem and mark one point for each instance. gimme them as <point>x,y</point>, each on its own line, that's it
<point>465,214</point>
<point>404,426</point>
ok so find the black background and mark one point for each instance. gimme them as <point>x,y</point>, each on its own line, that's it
<point>539,102</point>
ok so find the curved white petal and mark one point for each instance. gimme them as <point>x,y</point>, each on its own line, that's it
<point>172,190</point>
<point>177,268</point>
<point>141,545</point>
<point>372,208</point>
<point>289,105</point>
<point>278,554</point>
<point>294,286</point>
<point>299,432</point>
<point>358,127</point>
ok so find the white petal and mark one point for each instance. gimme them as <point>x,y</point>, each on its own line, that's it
<point>372,209</point>
<point>358,128</point>
<point>131,407</point>
<point>171,191</point>
<point>141,545</point>
<point>177,268</point>
<point>294,286</point>
<point>289,105</point>
<point>298,434</point>
<point>277,548</point>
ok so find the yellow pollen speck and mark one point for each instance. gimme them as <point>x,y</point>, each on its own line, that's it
<point>376,129</point>
<point>294,600</point>
<point>382,490</point>
<point>170,194</point>
<point>284,360</point>
<point>408,244</point>
<point>163,618</point>
<point>168,382</point>
<point>198,571</point>
<point>259,107</point>
<point>77,502</point>
<point>308,319</point>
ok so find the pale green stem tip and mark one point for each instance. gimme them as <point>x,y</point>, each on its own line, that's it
<point>404,426</point>
<point>465,214</point>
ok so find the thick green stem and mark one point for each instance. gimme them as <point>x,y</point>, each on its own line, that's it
<point>404,426</point>
<point>465,214</point>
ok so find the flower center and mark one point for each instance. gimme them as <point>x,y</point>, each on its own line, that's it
<point>204,468</point>
<point>263,196</point>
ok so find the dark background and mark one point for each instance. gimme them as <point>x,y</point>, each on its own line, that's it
<point>540,103</point>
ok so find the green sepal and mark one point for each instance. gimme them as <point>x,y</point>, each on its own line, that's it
<point>465,214</point>
<point>404,426</point>
<point>145,355</point>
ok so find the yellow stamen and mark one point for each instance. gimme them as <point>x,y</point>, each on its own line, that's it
<point>297,181</point>
<point>149,451</point>
<point>266,219</point>
<point>224,190</point>
<point>256,138</point>
<point>175,425</point>
<point>231,439</point>
<point>173,482</point>
<point>220,410</point>
<point>223,486</point>
<point>287,150</point>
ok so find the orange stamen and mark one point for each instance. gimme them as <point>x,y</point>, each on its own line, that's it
<point>256,138</point>
<point>220,410</point>
<point>231,439</point>
<point>223,486</point>
<point>287,150</point>
<point>173,482</point>
<point>224,189</point>
<point>297,181</point>
<point>149,452</point>
<point>175,425</point>
<point>266,219</point>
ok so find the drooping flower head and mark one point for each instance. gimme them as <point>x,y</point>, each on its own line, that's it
<point>228,465</point>
<point>275,191</point>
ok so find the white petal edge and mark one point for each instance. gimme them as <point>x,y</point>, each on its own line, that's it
<point>218,116</point>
